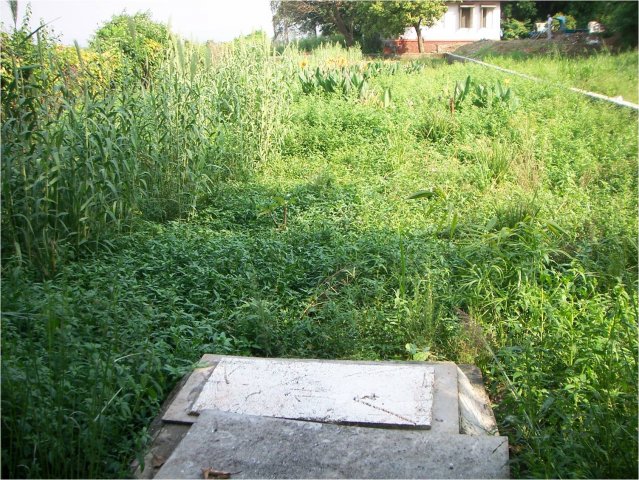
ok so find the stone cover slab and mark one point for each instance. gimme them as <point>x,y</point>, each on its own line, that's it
<point>475,413</point>
<point>180,406</point>
<point>445,401</point>
<point>389,394</point>
<point>248,446</point>
<point>446,398</point>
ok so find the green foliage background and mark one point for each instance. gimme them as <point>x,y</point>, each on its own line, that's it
<point>137,38</point>
<point>215,207</point>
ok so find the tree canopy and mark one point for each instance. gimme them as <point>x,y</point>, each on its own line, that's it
<point>392,18</point>
<point>137,38</point>
<point>619,18</point>
<point>355,19</point>
<point>307,16</point>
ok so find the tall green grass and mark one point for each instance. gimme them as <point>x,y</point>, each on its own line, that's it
<point>244,216</point>
<point>80,164</point>
<point>590,73</point>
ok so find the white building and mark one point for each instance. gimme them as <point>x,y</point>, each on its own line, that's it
<point>462,23</point>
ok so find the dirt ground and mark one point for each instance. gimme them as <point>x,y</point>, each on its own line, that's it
<point>576,44</point>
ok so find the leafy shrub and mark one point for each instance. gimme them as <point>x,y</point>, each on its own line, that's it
<point>621,18</point>
<point>308,44</point>
<point>481,95</point>
<point>381,67</point>
<point>344,81</point>
<point>571,22</point>
<point>414,66</point>
<point>137,38</point>
<point>512,28</point>
<point>372,43</point>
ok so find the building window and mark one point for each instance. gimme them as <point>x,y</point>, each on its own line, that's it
<point>487,16</point>
<point>465,17</point>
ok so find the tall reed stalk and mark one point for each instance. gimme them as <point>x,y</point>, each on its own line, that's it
<point>81,163</point>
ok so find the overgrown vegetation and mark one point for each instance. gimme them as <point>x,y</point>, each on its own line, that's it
<point>619,18</point>
<point>563,64</point>
<point>587,73</point>
<point>82,158</point>
<point>216,207</point>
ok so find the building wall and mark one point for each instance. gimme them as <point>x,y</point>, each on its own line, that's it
<point>447,29</point>
<point>402,46</point>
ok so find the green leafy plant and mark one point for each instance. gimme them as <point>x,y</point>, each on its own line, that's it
<point>387,98</point>
<point>379,67</point>
<point>279,203</point>
<point>460,92</point>
<point>414,67</point>
<point>513,28</point>
<point>481,95</point>
<point>344,81</point>
<point>219,209</point>
<point>419,354</point>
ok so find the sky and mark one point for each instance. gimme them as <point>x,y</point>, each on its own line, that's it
<point>198,20</point>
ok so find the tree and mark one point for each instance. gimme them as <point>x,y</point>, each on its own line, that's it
<point>351,19</point>
<point>137,38</point>
<point>621,18</point>
<point>330,16</point>
<point>291,17</point>
<point>392,18</point>
<point>524,11</point>
<point>517,18</point>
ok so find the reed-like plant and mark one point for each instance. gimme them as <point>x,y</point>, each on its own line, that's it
<point>81,162</point>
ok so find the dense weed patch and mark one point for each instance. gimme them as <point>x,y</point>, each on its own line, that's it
<point>588,73</point>
<point>517,252</point>
<point>81,162</point>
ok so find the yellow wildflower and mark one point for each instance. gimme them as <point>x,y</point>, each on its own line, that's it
<point>304,63</point>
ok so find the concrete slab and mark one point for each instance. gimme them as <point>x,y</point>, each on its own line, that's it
<point>389,394</point>
<point>475,413</point>
<point>164,444</point>
<point>248,446</point>
<point>179,409</point>
<point>166,435</point>
<point>445,399</point>
<point>460,405</point>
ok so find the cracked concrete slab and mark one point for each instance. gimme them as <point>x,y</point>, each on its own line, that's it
<point>458,444</point>
<point>179,408</point>
<point>475,412</point>
<point>247,446</point>
<point>389,394</point>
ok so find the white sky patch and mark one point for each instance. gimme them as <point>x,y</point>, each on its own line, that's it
<point>198,20</point>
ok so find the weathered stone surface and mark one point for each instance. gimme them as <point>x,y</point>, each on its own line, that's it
<point>302,449</point>
<point>180,406</point>
<point>475,413</point>
<point>167,434</point>
<point>164,444</point>
<point>445,399</point>
<point>390,394</point>
<point>262,447</point>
